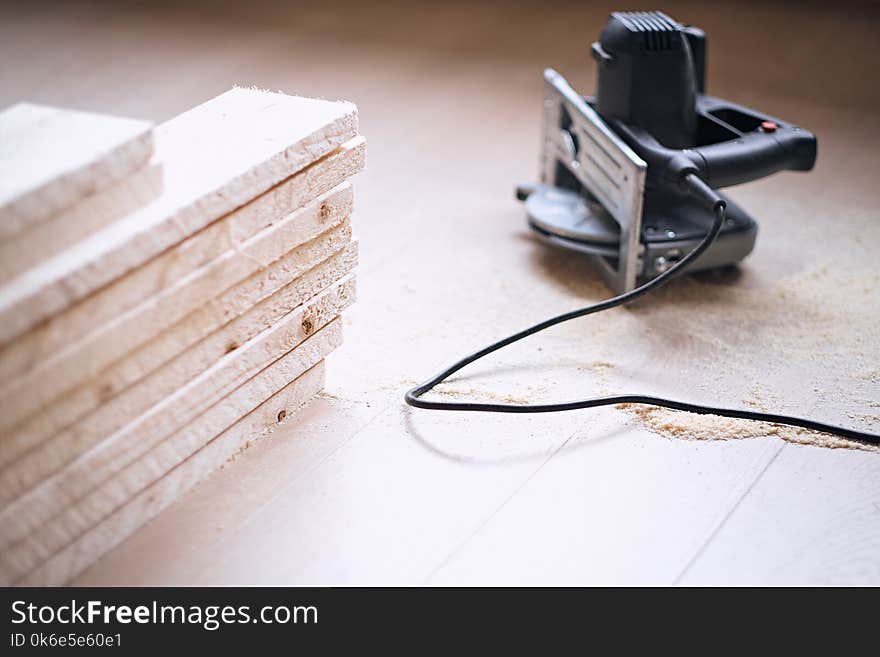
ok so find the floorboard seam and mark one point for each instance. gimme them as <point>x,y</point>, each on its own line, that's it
<point>296,479</point>
<point>717,529</point>
<point>448,558</point>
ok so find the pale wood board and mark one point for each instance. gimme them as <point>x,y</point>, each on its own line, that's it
<point>36,548</point>
<point>216,157</point>
<point>154,374</point>
<point>84,359</point>
<point>51,158</point>
<point>447,265</point>
<point>836,542</point>
<point>281,408</point>
<point>53,335</point>
<point>534,540</point>
<point>71,225</point>
<point>299,265</point>
<point>90,471</point>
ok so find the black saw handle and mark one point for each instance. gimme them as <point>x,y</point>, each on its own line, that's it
<point>754,155</point>
<point>750,156</point>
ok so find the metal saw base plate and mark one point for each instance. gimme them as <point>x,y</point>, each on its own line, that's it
<point>573,216</point>
<point>671,228</point>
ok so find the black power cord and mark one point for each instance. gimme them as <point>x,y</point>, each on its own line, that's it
<point>696,186</point>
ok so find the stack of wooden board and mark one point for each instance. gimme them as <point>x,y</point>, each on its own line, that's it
<point>166,297</point>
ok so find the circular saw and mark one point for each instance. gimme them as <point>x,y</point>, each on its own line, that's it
<point>612,164</point>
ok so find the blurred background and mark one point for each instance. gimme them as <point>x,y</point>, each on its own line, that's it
<point>449,93</point>
<point>459,74</point>
<point>463,74</point>
<point>156,58</point>
<point>414,66</point>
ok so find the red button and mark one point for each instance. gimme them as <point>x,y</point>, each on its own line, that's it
<point>768,126</point>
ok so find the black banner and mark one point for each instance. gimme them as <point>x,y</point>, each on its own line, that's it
<point>125,620</point>
<point>549,621</point>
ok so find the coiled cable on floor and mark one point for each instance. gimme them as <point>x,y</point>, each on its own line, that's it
<point>697,187</point>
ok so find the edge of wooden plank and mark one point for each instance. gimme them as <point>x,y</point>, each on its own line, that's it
<point>29,349</point>
<point>42,520</point>
<point>46,290</point>
<point>187,439</point>
<point>43,457</point>
<point>65,228</point>
<point>85,358</point>
<point>203,321</point>
<point>152,500</point>
<point>76,175</point>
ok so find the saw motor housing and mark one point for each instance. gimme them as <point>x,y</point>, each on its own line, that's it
<point>612,165</point>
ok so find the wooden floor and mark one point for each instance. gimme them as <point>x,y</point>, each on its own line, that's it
<point>362,490</point>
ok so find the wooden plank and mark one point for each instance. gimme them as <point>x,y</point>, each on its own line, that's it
<point>154,354</point>
<point>66,503</point>
<point>161,458</point>
<point>84,359</point>
<point>278,410</point>
<point>44,458</point>
<point>51,158</point>
<point>71,225</point>
<point>115,528</point>
<point>30,349</point>
<point>48,438</point>
<point>162,311</point>
<point>216,157</point>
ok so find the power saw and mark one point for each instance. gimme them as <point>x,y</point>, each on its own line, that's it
<point>629,177</point>
<point>612,165</point>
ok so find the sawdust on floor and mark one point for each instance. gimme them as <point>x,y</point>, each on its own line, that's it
<point>818,324</point>
<point>812,332</point>
<point>478,394</point>
<point>691,426</point>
